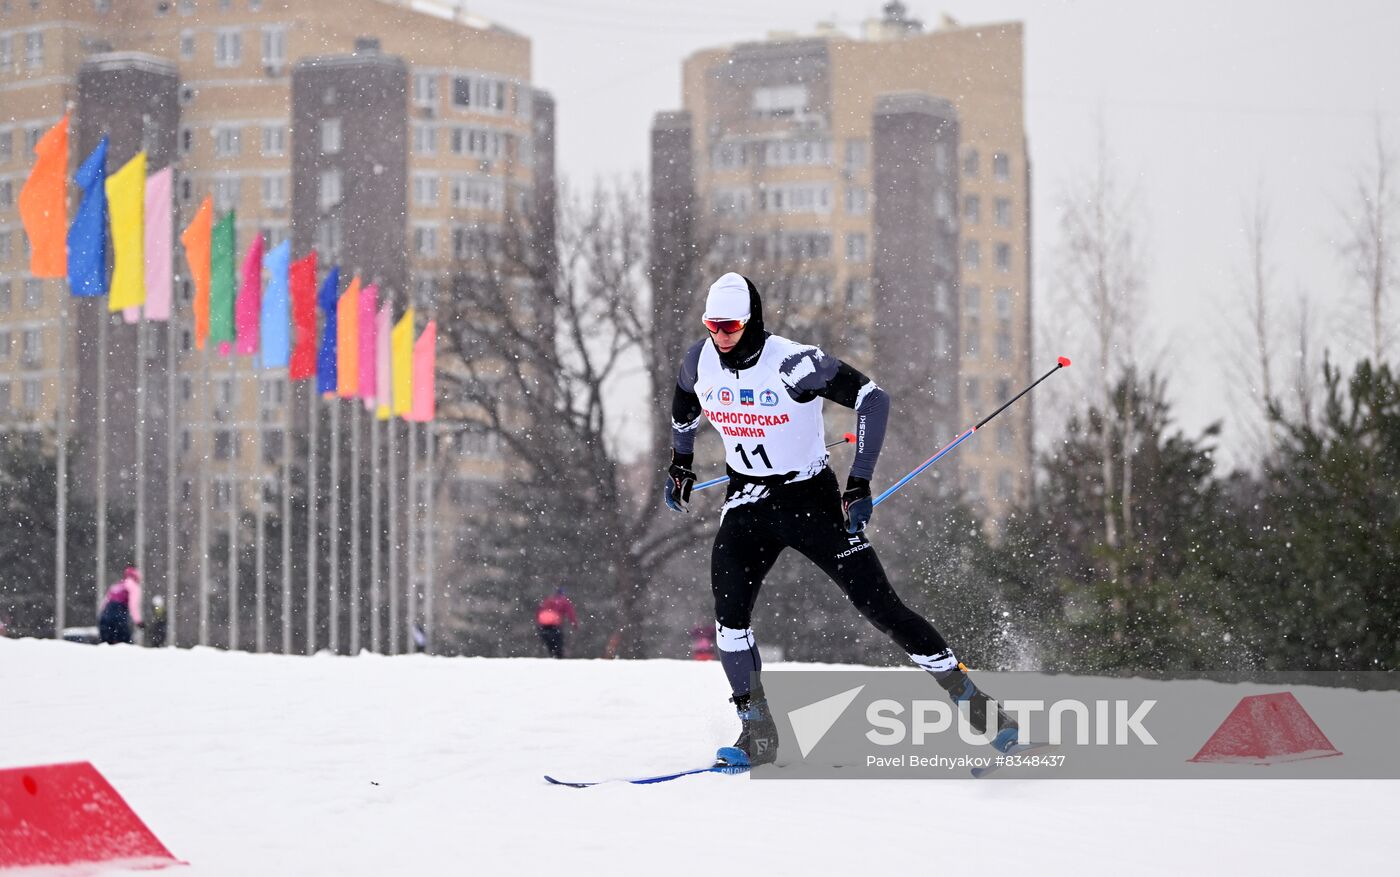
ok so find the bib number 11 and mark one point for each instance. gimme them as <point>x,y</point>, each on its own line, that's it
<point>757,452</point>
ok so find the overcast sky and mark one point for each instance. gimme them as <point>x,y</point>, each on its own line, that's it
<point>1203,104</point>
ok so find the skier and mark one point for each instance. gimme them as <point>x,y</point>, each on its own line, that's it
<point>764,393</point>
<point>549,619</point>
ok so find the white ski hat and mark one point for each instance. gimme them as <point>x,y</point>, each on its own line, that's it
<point>728,299</point>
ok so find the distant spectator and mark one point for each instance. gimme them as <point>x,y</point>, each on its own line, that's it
<point>702,642</point>
<point>114,624</point>
<point>549,619</point>
<point>420,638</point>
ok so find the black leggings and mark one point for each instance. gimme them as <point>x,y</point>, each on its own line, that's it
<point>807,516</point>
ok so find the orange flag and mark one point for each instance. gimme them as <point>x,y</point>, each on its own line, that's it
<point>197,238</point>
<point>347,366</point>
<point>43,208</point>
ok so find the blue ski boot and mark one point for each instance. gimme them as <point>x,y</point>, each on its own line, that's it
<point>963,690</point>
<point>758,741</point>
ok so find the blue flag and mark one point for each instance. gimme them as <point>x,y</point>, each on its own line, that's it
<point>276,341</point>
<point>87,236</point>
<point>329,296</point>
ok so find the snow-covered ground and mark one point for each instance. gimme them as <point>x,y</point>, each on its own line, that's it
<point>264,765</point>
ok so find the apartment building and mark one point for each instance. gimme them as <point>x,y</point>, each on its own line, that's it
<point>878,187</point>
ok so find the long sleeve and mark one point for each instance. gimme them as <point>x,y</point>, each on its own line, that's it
<point>685,405</point>
<point>811,373</point>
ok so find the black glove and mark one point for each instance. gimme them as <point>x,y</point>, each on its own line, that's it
<point>856,504</point>
<point>679,480</point>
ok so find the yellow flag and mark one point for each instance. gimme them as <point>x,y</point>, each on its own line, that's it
<point>126,202</point>
<point>403,365</point>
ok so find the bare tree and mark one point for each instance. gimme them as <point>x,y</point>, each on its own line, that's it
<point>534,349</point>
<point>1251,348</point>
<point>1372,238</point>
<point>1100,271</point>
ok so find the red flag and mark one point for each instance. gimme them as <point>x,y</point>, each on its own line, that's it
<point>303,364</point>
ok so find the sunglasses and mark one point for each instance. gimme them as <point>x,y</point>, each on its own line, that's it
<point>728,327</point>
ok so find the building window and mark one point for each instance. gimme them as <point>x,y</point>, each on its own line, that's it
<point>7,142</point>
<point>942,297</point>
<point>425,190</point>
<point>424,139</point>
<point>186,191</point>
<point>778,101</point>
<point>7,52</point>
<point>943,204</point>
<point>1003,343</point>
<point>31,347</point>
<point>7,194</point>
<point>5,409</point>
<point>330,136</point>
<point>272,446</point>
<point>970,162</point>
<point>274,48</point>
<point>33,294</point>
<point>1003,212</point>
<point>972,299</point>
<point>1003,257</point>
<point>330,188</point>
<point>972,254</point>
<point>424,291</point>
<point>856,247</point>
<point>1004,486</point>
<point>857,200</point>
<point>328,236</point>
<point>32,136</point>
<point>425,89</point>
<point>6,249</point>
<point>34,50</point>
<point>228,48</point>
<point>162,8</point>
<point>972,209</point>
<point>479,93</point>
<point>1003,303</point>
<point>32,395</point>
<point>942,157</point>
<point>971,333</point>
<point>225,444</point>
<point>857,292</point>
<point>425,240</point>
<point>275,191</point>
<point>274,140</point>
<point>857,154</point>
<point>187,44</point>
<point>6,345</point>
<point>972,394</point>
<point>227,192</point>
<point>4,288</point>
<point>1001,166</point>
<point>227,142</point>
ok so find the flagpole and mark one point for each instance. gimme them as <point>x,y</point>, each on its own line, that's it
<point>333,538</point>
<point>412,530</point>
<point>355,418</point>
<point>171,470</point>
<point>393,543</point>
<point>102,319</point>
<point>430,532</point>
<point>376,598</point>
<point>313,414</point>
<point>260,540</point>
<point>233,493</point>
<point>141,406</point>
<point>60,578</point>
<point>287,516</point>
<point>207,416</point>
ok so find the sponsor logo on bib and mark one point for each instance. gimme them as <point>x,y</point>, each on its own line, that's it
<point>745,397</point>
<point>768,398</point>
<point>726,396</point>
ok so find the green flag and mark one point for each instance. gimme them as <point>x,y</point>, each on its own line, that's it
<point>221,281</point>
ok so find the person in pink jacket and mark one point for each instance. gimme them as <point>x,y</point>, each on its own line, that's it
<point>549,621</point>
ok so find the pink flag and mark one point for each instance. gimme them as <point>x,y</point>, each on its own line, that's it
<point>158,243</point>
<point>247,309</point>
<point>424,362</point>
<point>369,305</point>
<point>381,359</point>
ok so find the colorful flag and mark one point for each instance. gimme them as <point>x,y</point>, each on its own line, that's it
<point>382,363</point>
<point>403,365</point>
<point>303,284</point>
<point>424,380</point>
<point>221,282</point>
<point>249,304</point>
<point>158,244</point>
<point>327,354</point>
<point>43,205</point>
<point>347,327</point>
<point>369,306</point>
<point>87,237</point>
<point>277,308</point>
<point>196,238</point>
<point>126,208</point>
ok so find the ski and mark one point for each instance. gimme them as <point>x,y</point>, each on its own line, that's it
<point>659,778</point>
<point>1000,761</point>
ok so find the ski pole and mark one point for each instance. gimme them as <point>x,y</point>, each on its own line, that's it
<point>1062,362</point>
<point>848,438</point>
